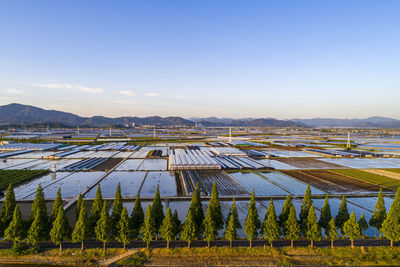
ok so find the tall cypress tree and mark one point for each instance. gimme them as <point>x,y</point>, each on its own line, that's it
<point>313,230</point>
<point>251,223</point>
<point>390,226</point>
<point>325,216</point>
<point>36,231</point>
<point>15,230</point>
<point>292,227</point>
<point>287,206</point>
<point>379,214</point>
<point>58,202</point>
<point>157,210</point>
<point>233,211</point>
<point>178,224</point>
<point>304,211</point>
<point>7,211</point>
<point>96,210</point>
<point>343,214</point>
<point>137,217</point>
<point>215,207</point>
<point>188,233</point>
<point>252,205</point>
<point>197,212</point>
<point>78,206</point>
<point>209,226</point>
<point>116,212</point>
<point>168,227</point>
<point>230,231</point>
<point>270,227</point>
<point>363,225</point>
<point>332,231</point>
<point>81,230</point>
<point>39,205</point>
<point>351,228</point>
<point>61,230</point>
<point>124,230</point>
<point>148,230</point>
<point>103,226</point>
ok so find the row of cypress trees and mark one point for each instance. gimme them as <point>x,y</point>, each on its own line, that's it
<point>155,224</point>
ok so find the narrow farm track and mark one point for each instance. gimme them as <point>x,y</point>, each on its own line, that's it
<point>112,260</point>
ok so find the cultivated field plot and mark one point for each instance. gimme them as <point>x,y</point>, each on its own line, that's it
<point>332,182</point>
<point>261,186</point>
<point>29,188</point>
<point>226,185</point>
<point>71,185</point>
<point>33,155</point>
<point>123,154</point>
<point>153,165</point>
<point>14,162</point>
<point>130,165</point>
<point>386,173</point>
<point>141,153</point>
<point>276,164</point>
<point>130,184</point>
<point>361,176</point>
<point>107,165</point>
<point>368,203</point>
<point>295,154</point>
<point>80,155</point>
<point>309,163</point>
<point>294,186</point>
<point>41,164</point>
<point>102,154</point>
<point>164,179</point>
<point>362,163</point>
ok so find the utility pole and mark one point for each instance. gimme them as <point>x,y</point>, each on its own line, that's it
<point>348,145</point>
<point>230,134</point>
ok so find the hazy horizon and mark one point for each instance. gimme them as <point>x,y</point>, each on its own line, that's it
<point>226,59</point>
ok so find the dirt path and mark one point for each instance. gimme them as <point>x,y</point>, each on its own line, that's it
<point>389,174</point>
<point>110,261</point>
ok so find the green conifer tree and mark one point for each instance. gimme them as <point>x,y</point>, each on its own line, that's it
<point>95,211</point>
<point>325,216</point>
<point>292,227</point>
<point>379,214</point>
<point>125,231</point>
<point>148,230</point>
<point>39,204</point>
<point>343,215</point>
<point>15,230</point>
<point>230,231</point>
<point>157,211</point>
<point>313,230</point>
<point>7,211</point>
<point>351,228</point>
<point>61,230</point>
<point>305,208</point>
<point>103,226</point>
<point>178,224</point>
<point>35,233</point>
<point>391,226</point>
<point>250,225</point>
<point>332,231</point>
<point>116,212</point>
<point>137,217</point>
<point>252,206</point>
<point>168,227</point>
<point>197,211</point>
<point>287,206</point>
<point>209,226</point>
<point>216,207</point>
<point>233,211</point>
<point>271,230</point>
<point>58,202</point>
<point>188,233</point>
<point>81,230</point>
<point>363,225</point>
<point>78,206</point>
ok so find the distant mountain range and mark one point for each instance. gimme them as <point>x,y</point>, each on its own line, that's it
<point>25,115</point>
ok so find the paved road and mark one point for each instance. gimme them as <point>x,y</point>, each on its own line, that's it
<point>218,243</point>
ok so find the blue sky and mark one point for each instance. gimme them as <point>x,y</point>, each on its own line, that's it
<point>282,59</point>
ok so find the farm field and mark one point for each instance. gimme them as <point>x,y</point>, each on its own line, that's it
<point>130,184</point>
<point>153,165</point>
<point>371,178</point>
<point>261,186</point>
<point>385,173</point>
<point>130,165</point>
<point>393,170</point>
<point>290,184</point>
<point>309,163</point>
<point>154,178</point>
<point>362,163</point>
<point>226,185</point>
<point>276,164</point>
<point>107,165</point>
<point>17,177</point>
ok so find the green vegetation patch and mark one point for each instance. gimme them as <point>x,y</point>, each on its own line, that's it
<point>370,177</point>
<point>393,170</point>
<point>16,177</point>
